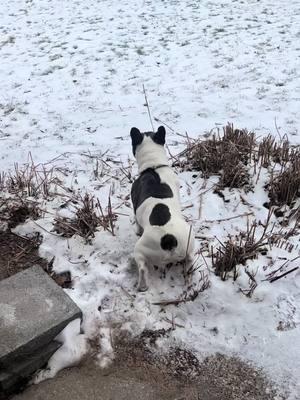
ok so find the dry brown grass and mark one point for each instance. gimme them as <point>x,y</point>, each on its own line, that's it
<point>226,155</point>
<point>233,153</point>
<point>19,253</point>
<point>284,185</point>
<point>30,180</point>
<point>88,217</point>
<point>237,250</point>
<point>208,156</point>
<point>271,151</point>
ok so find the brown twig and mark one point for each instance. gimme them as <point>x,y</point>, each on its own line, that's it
<point>282,275</point>
<point>148,107</point>
<point>229,218</point>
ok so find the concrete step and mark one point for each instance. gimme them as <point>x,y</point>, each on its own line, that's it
<point>33,311</point>
<point>14,378</point>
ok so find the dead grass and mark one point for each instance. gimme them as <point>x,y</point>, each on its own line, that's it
<point>140,351</point>
<point>88,217</point>
<point>30,180</point>
<point>271,151</point>
<point>18,253</point>
<point>226,154</point>
<point>237,156</point>
<point>237,250</point>
<point>284,185</point>
<point>208,155</point>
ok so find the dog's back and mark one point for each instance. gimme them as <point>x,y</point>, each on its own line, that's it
<point>165,236</point>
<point>158,183</point>
<point>156,204</point>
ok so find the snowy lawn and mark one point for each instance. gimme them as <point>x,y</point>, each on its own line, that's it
<point>72,76</point>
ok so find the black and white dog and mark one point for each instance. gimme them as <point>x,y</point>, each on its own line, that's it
<point>165,236</point>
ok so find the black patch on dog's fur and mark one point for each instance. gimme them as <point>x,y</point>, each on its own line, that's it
<point>160,215</point>
<point>168,242</point>
<point>136,138</point>
<point>148,185</point>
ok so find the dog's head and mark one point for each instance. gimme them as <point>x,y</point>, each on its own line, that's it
<point>148,141</point>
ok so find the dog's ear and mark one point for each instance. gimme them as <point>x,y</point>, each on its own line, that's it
<point>160,136</point>
<point>136,138</point>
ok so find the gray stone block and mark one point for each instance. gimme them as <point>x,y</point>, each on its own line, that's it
<point>33,310</point>
<point>20,370</point>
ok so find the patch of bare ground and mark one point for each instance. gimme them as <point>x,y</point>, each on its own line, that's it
<point>218,377</point>
<point>139,371</point>
<point>19,253</point>
<point>16,211</point>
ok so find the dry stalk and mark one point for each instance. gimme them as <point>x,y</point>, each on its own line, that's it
<point>282,275</point>
<point>281,271</point>
<point>148,107</point>
<point>284,186</point>
<point>88,217</point>
<point>270,151</point>
<point>2,180</point>
<point>188,295</point>
<point>230,154</point>
<point>32,180</point>
<point>226,155</point>
<point>237,250</point>
<point>252,284</point>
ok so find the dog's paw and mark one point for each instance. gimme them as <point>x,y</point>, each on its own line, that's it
<point>142,287</point>
<point>138,230</point>
<point>142,284</point>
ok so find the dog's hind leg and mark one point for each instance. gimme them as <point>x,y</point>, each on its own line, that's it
<point>138,229</point>
<point>142,267</point>
<point>143,277</point>
<point>188,269</point>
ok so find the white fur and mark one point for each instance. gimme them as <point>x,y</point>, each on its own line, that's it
<point>147,250</point>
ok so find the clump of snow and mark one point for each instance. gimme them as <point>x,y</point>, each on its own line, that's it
<point>73,348</point>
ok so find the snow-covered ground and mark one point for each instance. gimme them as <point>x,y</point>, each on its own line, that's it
<point>71,72</point>
<point>72,76</point>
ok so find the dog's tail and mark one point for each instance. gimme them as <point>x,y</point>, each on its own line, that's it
<point>168,242</point>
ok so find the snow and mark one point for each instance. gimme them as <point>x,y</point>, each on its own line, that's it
<point>72,76</point>
<point>73,348</point>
